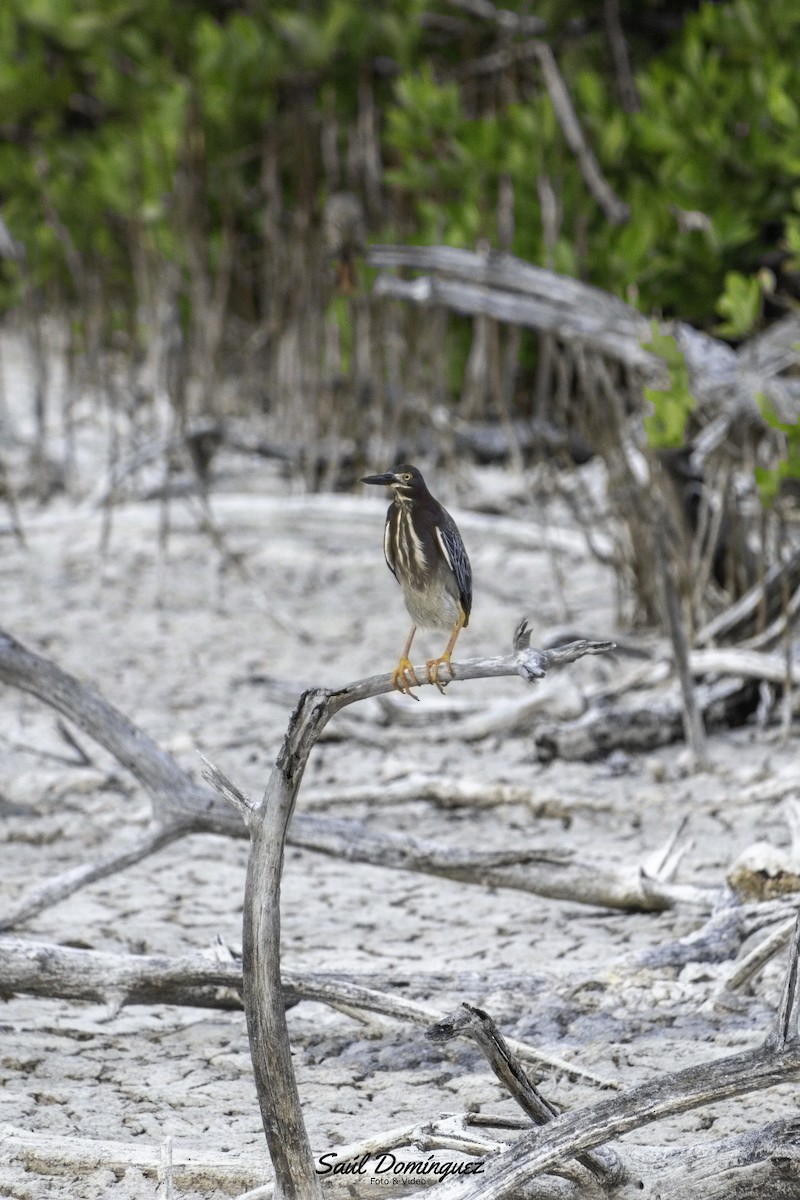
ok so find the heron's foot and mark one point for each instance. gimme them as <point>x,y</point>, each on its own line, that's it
<point>404,677</point>
<point>434,666</point>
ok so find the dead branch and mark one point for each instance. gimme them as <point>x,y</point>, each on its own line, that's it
<point>720,938</point>
<point>616,211</point>
<point>180,805</point>
<point>450,794</point>
<point>210,980</point>
<point>693,727</point>
<point>654,721</point>
<point>746,664</point>
<point>268,825</point>
<point>501,286</point>
<point>759,956</point>
<point>193,1169</point>
<point>445,793</point>
<point>600,332</point>
<point>476,1024</point>
<point>555,874</point>
<point>193,980</point>
<point>176,798</point>
<point>54,890</point>
<point>776,1061</point>
<point>762,1164</point>
<point>500,717</point>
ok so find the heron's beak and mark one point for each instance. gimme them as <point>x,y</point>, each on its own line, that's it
<point>387,479</point>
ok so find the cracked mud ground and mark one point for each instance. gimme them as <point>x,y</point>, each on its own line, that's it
<point>205,660</point>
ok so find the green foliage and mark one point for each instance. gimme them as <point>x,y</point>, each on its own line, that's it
<point>740,304</point>
<point>769,479</point>
<point>104,103</point>
<point>708,166</point>
<point>665,426</point>
<point>719,135</point>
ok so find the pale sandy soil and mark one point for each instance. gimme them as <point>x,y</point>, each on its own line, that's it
<point>194,656</point>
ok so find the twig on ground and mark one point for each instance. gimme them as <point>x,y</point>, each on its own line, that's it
<point>475,1023</point>
<point>759,956</point>
<point>205,981</point>
<point>61,886</point>
<point>776,1061</point>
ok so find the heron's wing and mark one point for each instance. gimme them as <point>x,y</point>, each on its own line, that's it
<point>388,541</point>
<point>453,549</point>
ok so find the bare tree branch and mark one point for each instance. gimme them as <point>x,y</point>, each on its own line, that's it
<point>776,1061</point>
<point>210,980</point>
<point>475,1023</point>
<point>191,807</point>
<point>270,1048</point>
<point>61,886</point>
<point>616,211</point>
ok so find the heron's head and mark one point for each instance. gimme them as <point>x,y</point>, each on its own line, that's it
<point>406,482</point>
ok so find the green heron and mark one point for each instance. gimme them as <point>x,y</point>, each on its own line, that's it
<point>426,555</point>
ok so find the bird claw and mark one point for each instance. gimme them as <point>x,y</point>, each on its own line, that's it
<point>432,668</point>
<point>404,678</point>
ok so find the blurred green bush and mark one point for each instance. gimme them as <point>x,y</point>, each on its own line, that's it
<point>105,104</point>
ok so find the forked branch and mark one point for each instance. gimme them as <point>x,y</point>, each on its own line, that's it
<point>268,823</point>
<point>182,803</point>
<point>776,1061</point>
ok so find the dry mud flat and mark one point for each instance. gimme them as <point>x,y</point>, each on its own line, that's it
<point>207,660</point>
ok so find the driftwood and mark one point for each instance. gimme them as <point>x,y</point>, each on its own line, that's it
<point>747,664</point>
<point>190,1168</point>
<point>212,980</point>
<point>776,1061</point>
<point>475,1023</point>
<point>652,722</point>
<point>764,1163</point>
<point>280,1106</point>
<point>186,808</point>
<point>728,695</point>
<point>507,289</point>
<point>555,874</point>
<point>720,937</point>
<point>268,824</point>
<point>762,604</point>
<point>726,382</point>
<point>183,807</point>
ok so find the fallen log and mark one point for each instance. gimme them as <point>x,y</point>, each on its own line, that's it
<point>648,724</point>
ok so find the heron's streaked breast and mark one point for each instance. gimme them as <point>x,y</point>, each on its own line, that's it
<point>411,562</point>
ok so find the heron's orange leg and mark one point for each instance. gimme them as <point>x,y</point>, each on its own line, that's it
<point>434,665</point>
<point>403,676</point>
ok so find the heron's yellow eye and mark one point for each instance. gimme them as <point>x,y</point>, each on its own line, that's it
<point>407,477</point>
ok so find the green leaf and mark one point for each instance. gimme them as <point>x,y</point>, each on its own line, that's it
<point>665,426</point>
<point>769,479</point>
<point>740,304</point>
